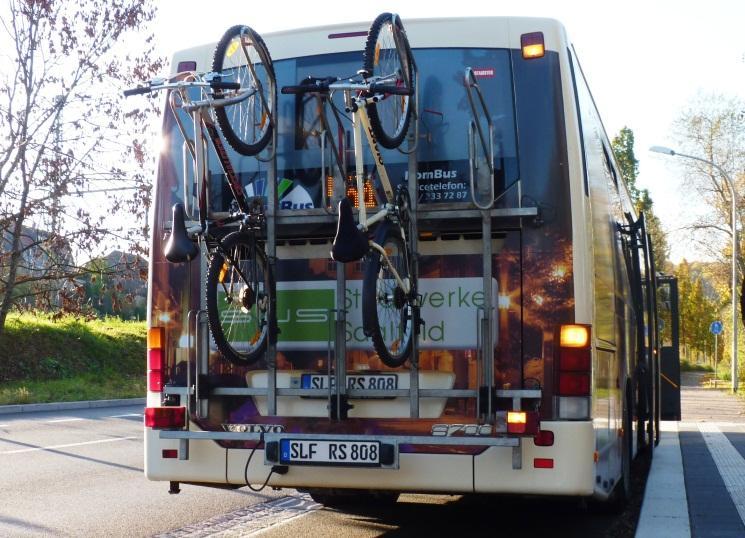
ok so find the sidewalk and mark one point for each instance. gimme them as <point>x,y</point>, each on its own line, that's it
<point>696,486</point>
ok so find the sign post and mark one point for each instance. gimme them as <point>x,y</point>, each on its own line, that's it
<point>716,329</point>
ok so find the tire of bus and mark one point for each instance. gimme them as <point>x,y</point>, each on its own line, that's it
<point>395,312</point>
<point>241,343</point>
<point>247,125</point>
<point>339,498</point>
<point>389,117</point>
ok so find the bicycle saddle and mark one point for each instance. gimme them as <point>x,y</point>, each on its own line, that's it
<point>179,247</point>
<point>350,243</point>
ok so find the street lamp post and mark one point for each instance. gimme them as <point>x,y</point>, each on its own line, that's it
<point>731,186</point>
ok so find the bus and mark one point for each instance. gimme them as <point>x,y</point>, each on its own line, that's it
<point>535,366</point>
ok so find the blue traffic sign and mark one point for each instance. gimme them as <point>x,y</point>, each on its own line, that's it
<point>716,327</point>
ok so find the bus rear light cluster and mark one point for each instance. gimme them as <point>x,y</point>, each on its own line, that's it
<point>165,418</point>
<point>155,359</point>
<point>573,371</point>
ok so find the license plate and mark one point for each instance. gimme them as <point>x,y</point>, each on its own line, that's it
<point>354,381</point>
<point>345,453</point>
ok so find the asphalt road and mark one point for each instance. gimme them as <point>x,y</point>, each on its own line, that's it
<point>79,473</point>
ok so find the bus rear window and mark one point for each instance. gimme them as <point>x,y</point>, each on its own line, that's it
<point>304,156</point>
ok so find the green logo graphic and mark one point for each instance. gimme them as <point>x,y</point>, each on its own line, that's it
<point>305,315</point>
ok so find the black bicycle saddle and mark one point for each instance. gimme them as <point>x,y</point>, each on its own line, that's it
<point>350,243</point>
<point>179,247</point>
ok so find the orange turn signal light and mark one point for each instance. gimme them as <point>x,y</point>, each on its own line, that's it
<point>155,338</point>
<point>517,417</point>
<point>574,336</point>
<point>532,45</point>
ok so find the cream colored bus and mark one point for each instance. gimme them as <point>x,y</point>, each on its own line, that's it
<point>534,369</point>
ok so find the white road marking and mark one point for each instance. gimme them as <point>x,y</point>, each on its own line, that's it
<point>63,420</point>
<point>250,520</point>
<point>36,449</point>
<point>127,415</point>
<point>730,463</point>
<point>4,425</point>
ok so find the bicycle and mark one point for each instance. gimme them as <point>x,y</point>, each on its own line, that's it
<point>380,101</point>
<point>241,92</point>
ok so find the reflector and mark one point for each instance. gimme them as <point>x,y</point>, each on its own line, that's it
<point>165,417</point>
<point>543,463</point>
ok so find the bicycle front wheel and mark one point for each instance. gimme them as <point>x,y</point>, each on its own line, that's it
<point>241,56</point>
<point>239,287</point>
<point>386,308</point>
<point>388,57</point>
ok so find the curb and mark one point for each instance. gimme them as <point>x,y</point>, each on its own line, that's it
<point>62,406</point>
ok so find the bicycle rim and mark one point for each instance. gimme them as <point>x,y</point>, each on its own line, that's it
<point>387,56</point>
<point>389,311</point>
<point>247,124</point>
<point>238,299</point>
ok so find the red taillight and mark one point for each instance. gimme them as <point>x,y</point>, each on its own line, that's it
<point>155,380</point>
<point>543,463</point>
<point>573,384</point>
<point>155,358</point>
<point>516,421</point>
<point>170,453</point>
<point>165,417</point>
<point>573,360</point>
<point>544,438</point>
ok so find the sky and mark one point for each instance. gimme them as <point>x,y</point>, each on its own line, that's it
<point>644,62</point>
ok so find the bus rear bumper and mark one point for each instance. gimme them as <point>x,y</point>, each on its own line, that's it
<point>570,471</point>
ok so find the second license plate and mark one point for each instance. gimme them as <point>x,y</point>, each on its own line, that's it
<point>354,381</point>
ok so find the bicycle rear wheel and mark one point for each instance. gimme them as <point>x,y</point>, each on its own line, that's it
<point>387,310</point>
<point>247,125</point>
<point>239,285</point>
<point>388,56</point>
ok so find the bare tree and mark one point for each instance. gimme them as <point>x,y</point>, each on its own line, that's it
<point>713,128</point>
<point>71,159</point>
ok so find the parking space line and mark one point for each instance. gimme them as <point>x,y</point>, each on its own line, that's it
<point>729,462</point>
<point>52,447</point>
<point>63,420</point>
<point>127,415</point>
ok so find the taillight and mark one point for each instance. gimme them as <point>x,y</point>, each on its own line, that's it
<point>573,371</point>
<point>544,438</point>
<point>161,418</point>
<point>155,358</point>
<point>516,421</point>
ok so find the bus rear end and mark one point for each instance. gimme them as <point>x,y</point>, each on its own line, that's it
<point>497,397</point>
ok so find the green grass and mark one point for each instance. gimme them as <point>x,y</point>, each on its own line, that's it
<point>45,360</point>
<point>686,366</point>
<point>83,387</point>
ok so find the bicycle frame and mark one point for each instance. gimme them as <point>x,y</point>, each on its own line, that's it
<point>203,122</point>
<point>361,123</point>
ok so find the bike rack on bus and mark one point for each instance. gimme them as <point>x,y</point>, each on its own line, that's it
<point>485,395</point>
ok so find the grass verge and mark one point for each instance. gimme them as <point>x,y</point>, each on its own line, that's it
<point>73,389</point>
<point>45,360</point>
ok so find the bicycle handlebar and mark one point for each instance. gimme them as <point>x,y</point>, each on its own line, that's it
<point>157,84</point>
<point>324,85</point>
<point>136,91</point>
<point>310,85</point>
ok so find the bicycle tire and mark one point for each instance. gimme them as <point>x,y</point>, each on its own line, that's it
<point>387,53</point>
<point>386,310</point>
<point>247,125</point>
<point>239,306</point>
